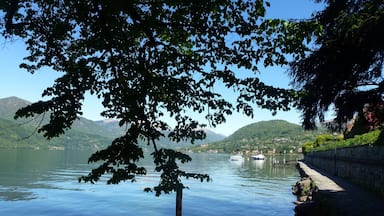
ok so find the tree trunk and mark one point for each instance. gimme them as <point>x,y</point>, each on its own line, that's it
<point>179,200</point>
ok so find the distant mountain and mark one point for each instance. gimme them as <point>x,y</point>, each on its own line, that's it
<point>271,135</point>
<point>113,126</point>
<point>8,106</point>
<point>84,134</point>
<point>13,135</point>
<point>210,137</point>
<point>22,133</point>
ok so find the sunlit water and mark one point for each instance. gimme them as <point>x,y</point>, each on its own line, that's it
<point>45,183</point>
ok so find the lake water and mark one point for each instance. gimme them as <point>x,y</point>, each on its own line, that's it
<point>45,183</point>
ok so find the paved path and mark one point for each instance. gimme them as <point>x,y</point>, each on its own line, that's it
<point>346,198</point>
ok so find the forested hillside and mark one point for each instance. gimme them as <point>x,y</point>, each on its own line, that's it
<point>85,133</point>
<point>264,136</point>
<point>23,133</point>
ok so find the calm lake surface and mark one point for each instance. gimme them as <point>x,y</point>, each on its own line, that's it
<point>34,182</point>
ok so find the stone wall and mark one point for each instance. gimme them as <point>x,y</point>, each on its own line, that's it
<point>363,165</point>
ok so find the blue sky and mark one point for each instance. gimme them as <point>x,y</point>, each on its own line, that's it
<point>20,83</point>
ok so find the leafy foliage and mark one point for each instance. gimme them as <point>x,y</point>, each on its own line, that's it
<point>345,69</point>
<point>327,142</point>
<point>146,60</point>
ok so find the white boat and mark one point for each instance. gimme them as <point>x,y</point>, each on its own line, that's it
<point>258,157</point>
<point>236,158</point>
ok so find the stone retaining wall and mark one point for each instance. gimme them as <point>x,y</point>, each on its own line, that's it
<point>363,165</point>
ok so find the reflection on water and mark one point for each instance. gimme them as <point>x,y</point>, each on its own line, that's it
<point>259,164</point>
<point>237,162</point>
<point>45,183</point>
<point>14,194</point>
<point>270,168</point>
<point>23,170</point>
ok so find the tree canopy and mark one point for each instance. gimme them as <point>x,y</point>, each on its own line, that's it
<point>148,59</point>
<point>345,70</point>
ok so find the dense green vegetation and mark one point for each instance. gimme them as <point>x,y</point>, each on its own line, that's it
<point>277,135</point>
<point>327,141</point>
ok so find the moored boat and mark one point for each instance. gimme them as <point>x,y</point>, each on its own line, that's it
<point>258,157</point>
<point>236,158</point>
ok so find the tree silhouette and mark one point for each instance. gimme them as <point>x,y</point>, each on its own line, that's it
<point>148,59</point>
<point>345,68</point>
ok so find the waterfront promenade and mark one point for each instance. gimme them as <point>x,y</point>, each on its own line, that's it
<point>338,196</point>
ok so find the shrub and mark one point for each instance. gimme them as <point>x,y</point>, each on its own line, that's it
<point>324,142</point>
<point>307,147</point>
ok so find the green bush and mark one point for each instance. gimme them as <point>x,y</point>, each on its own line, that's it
<point>326,141</point>
<point>307,147</point>
<point>323,138</point>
